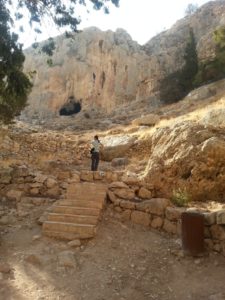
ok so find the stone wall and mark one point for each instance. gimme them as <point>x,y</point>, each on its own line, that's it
<point>41,149</point>
<point>31,193</point>
<point>19,181</point>
<point>28,194</point>
<point>135,202</point>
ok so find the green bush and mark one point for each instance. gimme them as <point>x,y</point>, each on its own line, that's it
<point>178,84</point>
<point>180,197</point>
<point>213,70</point>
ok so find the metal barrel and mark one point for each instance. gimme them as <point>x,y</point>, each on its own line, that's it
<point>192,232</point>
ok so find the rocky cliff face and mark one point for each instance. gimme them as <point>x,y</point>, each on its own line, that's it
<point>108,70</point>
<point>98,69</point>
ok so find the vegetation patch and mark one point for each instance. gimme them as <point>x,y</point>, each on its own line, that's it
<point>178,84</point>
<point>194,74</point>
<point>213,70</point>
<point>180,197</point>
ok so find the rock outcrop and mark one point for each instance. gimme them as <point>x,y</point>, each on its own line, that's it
<point>106,71</point>
<point>189,157</point>
<point>98,69</point>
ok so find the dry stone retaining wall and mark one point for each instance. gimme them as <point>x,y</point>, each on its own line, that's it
<point>135,200</point>
<point>38,148</point>
<point>160,214</point>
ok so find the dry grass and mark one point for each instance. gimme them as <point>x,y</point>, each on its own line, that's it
<point>197,114</point>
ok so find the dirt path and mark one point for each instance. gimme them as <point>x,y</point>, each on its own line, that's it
<point>124,262</point>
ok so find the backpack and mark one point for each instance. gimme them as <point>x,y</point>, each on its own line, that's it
<point>92,150</point>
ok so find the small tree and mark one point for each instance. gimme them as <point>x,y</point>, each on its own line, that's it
<point>191,9</point>
<point>14,84</point>
<point>213,69</point>
<point>190,68</point>
<point>177,85</point>
<point>219,38</point>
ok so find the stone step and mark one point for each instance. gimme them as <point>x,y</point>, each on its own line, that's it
<point>84,211</point>
<point>81,230</point>
<point>77,219</point>
<point>80,203</point>
<point>76,216</point>
<point>37,200</point>
<point>87,197</point>
<point>87,191</point>
<point>65,235</point>
<point>92,197</point>
<point>26,206</point>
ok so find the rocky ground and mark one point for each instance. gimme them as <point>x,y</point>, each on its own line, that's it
<point>124,261</point>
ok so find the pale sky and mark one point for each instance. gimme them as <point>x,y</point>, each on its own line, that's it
<point>142,19</point>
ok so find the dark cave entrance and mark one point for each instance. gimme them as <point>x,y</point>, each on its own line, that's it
<point>71,107</point>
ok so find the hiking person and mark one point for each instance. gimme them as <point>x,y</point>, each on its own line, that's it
<point>96,145</point>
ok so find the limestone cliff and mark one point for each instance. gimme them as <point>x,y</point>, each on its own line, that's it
<point>169,46</point>
<point>99,69</point>
<point>108,70</point>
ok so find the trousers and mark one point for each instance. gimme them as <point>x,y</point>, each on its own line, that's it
<point>94,161</point>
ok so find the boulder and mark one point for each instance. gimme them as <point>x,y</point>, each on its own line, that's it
<point>174,213</point>
<point>170,227</point>
<point>210,218</point>
<point>130,179</point>
<point>51,182</point>
<point>126,215</point>
<point>116,146</point>
<point>119,162</point>
<point>98,175</point>
<point>53,192</point>
<point>20,171</point>
<point>86,176</point>
<point>40,178</point>
<point>174,161</point>
<point>117,185</point>
<point>157,223</point>
<point>218,232</point>
<point>34,191</point>
<point>14,195</point>
<point>6,175</point>
<point>141,218</point>
<point>127,204</point>
<point>220,217</point>
<point>214,117</point>
<point>147,120</point>
<point>111,176</point>
<point>156,206</point>
<point>144,193</point>
<point>111,196</point>
<point>127,194</point>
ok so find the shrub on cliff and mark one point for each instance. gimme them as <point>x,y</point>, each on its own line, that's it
<point>191,9</point>
<point>178,84</point>
<point>214,69</point>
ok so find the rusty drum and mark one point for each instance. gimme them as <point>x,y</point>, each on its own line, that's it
<point>192,231</point>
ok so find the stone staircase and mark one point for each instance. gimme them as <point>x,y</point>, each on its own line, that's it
<point>76,216</point>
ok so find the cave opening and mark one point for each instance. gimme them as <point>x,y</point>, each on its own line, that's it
<point>71,107</point>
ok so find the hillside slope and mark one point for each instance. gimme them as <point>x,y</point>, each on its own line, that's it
<point>184,148</point>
